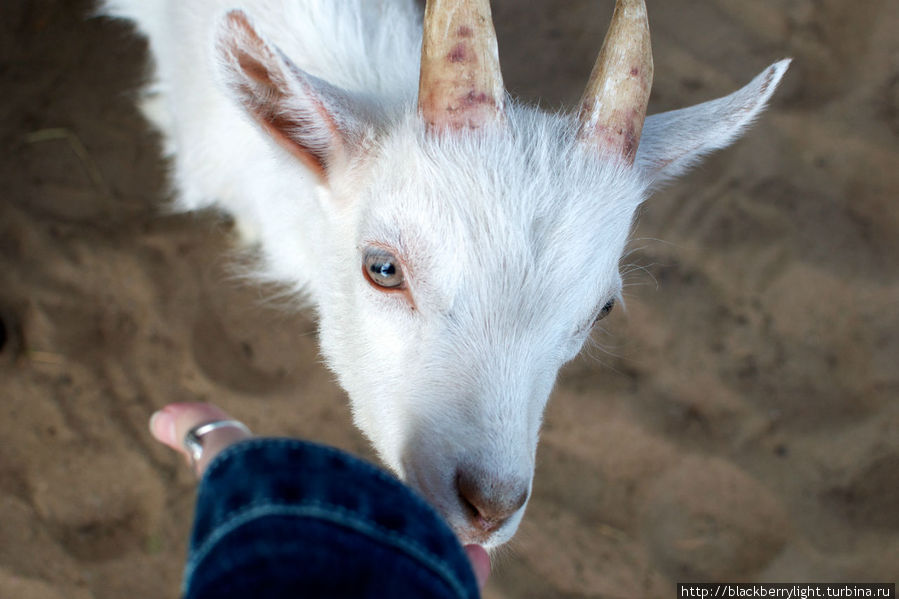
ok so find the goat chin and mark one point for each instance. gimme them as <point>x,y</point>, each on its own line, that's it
<point>499,245</point>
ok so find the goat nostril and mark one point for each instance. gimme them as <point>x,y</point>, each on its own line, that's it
<point>488,506</point>
<point>520,501</point>
<point>467,493</point>
<point>470,508</point>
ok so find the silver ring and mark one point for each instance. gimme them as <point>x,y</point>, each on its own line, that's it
<point>193,440</point>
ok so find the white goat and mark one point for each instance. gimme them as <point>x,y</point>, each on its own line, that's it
<point>456,245</point>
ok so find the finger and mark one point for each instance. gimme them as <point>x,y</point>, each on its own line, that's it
<point>170,425</point>
<point>480,563</point>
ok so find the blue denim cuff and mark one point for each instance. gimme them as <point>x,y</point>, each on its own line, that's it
<point>307,518</point>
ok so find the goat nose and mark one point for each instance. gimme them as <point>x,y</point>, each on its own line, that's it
<point>490,502</point>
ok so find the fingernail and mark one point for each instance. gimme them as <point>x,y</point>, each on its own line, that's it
<point>162,425</point>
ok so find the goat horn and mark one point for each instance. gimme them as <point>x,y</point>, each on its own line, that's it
<point>613,107</point>
<point>460,85</point>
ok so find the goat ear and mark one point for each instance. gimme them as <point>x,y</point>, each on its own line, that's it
<point>674,141</point>
<point>305,115</point>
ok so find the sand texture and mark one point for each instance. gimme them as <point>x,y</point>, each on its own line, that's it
<point>739,421</point>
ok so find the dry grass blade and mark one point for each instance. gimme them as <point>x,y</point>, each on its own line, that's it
<point>78,148</point>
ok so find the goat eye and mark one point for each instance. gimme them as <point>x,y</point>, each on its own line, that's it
<point>605,310</point>
<point>382,269</point>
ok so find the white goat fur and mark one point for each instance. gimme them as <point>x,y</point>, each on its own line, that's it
<point>510,236</point>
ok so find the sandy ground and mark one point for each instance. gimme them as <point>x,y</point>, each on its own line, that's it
<point>739,422</point>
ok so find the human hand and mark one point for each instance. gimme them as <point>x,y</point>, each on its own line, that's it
<point>170,425</point>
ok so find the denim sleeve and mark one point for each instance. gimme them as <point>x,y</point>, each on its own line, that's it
<point>284,518</point>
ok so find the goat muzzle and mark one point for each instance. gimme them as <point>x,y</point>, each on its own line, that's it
<point>489,501</point>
